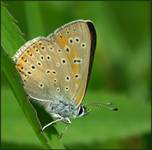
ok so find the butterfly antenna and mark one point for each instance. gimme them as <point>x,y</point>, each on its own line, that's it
<point>99,105</point>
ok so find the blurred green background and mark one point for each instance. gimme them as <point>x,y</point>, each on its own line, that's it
<point>120,74</point>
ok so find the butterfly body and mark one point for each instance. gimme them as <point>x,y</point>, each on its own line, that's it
<point>55,69</point>
<point>64,108</point>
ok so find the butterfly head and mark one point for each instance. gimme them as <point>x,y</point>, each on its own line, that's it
<point>82,111</point>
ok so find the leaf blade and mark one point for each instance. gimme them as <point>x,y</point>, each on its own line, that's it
<point>9,45</point>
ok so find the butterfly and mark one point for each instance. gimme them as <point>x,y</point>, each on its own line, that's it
<point>55,69</point>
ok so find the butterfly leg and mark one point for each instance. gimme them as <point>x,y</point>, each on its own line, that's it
<point>57,120</point>
<point>67,120</point>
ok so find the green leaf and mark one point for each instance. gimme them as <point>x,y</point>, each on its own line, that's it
<point>11,35</point>
<point>33,15</point>
<point>11,41</point>
<point>101,124</point>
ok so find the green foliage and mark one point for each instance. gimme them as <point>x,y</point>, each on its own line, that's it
<point>38,28</point>
<point>11,37</point>
<point>49,137</point>
<point>100,125</point>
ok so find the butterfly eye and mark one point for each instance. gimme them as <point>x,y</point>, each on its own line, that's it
<point>81,110</point>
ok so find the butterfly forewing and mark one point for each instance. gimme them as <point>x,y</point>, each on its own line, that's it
<point>58,66</point>
<point>76,42</point>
